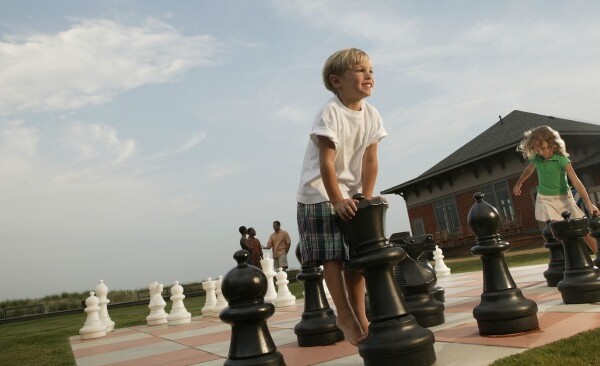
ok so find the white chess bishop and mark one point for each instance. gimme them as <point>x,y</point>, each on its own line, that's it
<point>93,326</point>
<point>102,292</point>
<point>441,270</point>
<point>179,314</point>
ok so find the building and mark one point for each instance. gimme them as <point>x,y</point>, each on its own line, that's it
<point>438,201</point>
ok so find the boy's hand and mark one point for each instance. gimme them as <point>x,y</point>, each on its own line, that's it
<point>593,210</point>
<point>345,208</point>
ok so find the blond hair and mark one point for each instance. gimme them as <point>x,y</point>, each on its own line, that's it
<point>534,137</point>
<point>341,61</point>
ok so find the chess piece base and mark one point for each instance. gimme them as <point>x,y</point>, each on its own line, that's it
<point>554,274</point>
<point>500,327</point>
<point>321,339</point>
<point>398,341</point>
<point>272,359</point>
<point>505,312</point>
<point>156,321</point>
<point>179,321</point>
<point>92,335</point>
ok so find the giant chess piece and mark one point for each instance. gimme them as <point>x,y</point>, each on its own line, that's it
<point>580,283</point>
<point>284,296</point>
<point>210,303</point>
<point>317,326</point>
<point>93,326</point>
<point>179,314</point>
<point>395,337</point>
<point>503,308</point>
<point>416,280</point>
<point>267,266</point>
<point>221,301</point>
<point>251,343</point>
<point>595,228</point>
<point>102,292</point>
<point>556,266</point>
<point>441,269</point>
<point>157,305</point>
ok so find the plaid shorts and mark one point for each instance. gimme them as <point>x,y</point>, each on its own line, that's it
<point>321,238</point>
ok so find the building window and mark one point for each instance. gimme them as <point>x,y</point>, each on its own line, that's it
<point>446,215</point>
<point>498,195</point>
<point>418,227</point>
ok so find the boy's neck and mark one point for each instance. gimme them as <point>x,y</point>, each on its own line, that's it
<point>355,105</point>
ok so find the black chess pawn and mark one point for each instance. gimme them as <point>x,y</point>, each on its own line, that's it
<point>395,337</point>
<point>251,344</point>
<point>416,281</point>
<point>503,308</point>
<point>580,283</point>
<point>595,228</point>
<point>318,324</point>
<point>556,266</point>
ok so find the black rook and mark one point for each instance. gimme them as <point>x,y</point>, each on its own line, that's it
<point>556,266</point>
<point>580,283</point>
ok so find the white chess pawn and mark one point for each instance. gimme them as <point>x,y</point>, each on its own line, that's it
<point>102,292</point>
<point>157,305</point>
<point>441,269</point>
<point>221,302</point>
<point>209,287</point>
<point>93,326</point>
<point>284,296</point>
<point>269,271</point>
<point>179,314</point>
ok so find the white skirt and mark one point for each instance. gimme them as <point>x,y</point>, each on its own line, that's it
<point>552,207</point>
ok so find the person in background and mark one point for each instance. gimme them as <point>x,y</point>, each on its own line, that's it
<point>547,154</point>
<point>280,242</point>
<point>255,249</point>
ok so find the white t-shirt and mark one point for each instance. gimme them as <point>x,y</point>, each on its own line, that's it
<point>351,132</point>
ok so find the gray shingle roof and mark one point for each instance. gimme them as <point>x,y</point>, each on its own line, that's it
<point>504,134</point>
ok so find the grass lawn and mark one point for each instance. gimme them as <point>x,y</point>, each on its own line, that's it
<point>46,341</point>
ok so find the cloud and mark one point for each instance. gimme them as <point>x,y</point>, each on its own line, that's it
<point>93,61</point>
<point>187,145</point>
<point>18,146</point>
<point>99,142</point>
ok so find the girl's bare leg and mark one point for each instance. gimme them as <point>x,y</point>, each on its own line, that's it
<point>355,283</point>
<point>346,319</point>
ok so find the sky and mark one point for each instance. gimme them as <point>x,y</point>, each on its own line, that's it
<point>136,136</point>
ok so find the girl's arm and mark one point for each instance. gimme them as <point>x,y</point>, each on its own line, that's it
<point>345,207</point>
<point>370,167</point>
<point>580,189</point>
<point>526,173</point>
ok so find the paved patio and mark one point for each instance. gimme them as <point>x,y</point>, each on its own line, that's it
<point>205,341</point>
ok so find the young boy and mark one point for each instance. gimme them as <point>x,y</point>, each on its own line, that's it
<point>340,160</point>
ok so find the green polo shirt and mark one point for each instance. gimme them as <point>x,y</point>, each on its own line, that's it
<point>551,173</point>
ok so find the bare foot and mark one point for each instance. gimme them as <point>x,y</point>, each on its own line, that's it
<point>351,328</point>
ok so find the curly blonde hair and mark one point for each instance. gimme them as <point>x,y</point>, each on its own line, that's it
<point>534,137</point>
<point>341,61</point>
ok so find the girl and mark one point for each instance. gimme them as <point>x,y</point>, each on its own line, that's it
<point>546,152</point>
